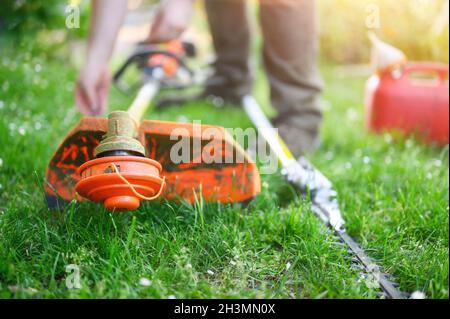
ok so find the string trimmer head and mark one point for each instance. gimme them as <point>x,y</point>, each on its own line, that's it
<point>121,161</point>
<point>120,176</point>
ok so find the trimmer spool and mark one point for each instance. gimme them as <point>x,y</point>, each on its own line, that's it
<point>120,176</point>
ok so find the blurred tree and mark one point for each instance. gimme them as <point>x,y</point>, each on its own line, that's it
<point>24,16</point>
<point>20,17</point>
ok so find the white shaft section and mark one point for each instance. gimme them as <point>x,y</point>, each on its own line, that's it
<point>266,129</point>
<point>299,172</point>
<point>143,99</point>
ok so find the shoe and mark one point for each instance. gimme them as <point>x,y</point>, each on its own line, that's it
<point>219,88</point>
<point>300,141</point>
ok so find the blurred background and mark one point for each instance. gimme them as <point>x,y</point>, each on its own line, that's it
<point>418,27</point>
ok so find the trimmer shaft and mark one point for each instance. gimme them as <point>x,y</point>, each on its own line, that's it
<point>120,136</point>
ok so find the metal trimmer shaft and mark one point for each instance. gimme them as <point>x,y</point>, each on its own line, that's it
<point>323,197</point>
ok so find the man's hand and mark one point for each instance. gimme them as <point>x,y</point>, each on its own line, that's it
<point>171,20</point>
<point>91,93</point>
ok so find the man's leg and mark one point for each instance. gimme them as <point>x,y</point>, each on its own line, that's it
<point>231,38</point>
<point>289,53</point>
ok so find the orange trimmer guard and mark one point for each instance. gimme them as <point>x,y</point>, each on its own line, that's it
<point>226,182</point>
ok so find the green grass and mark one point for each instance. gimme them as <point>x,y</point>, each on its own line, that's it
<point>393,192</point>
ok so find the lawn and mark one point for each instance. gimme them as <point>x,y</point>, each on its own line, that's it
<point>393,193</point>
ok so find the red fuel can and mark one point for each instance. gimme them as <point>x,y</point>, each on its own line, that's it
<point>411,100</point>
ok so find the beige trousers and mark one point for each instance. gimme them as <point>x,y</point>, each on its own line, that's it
<point>289,56</point>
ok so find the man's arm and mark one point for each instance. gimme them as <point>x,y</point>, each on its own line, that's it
<point>94,80</point>
<point>171,20</point>
<point>106,20</point>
